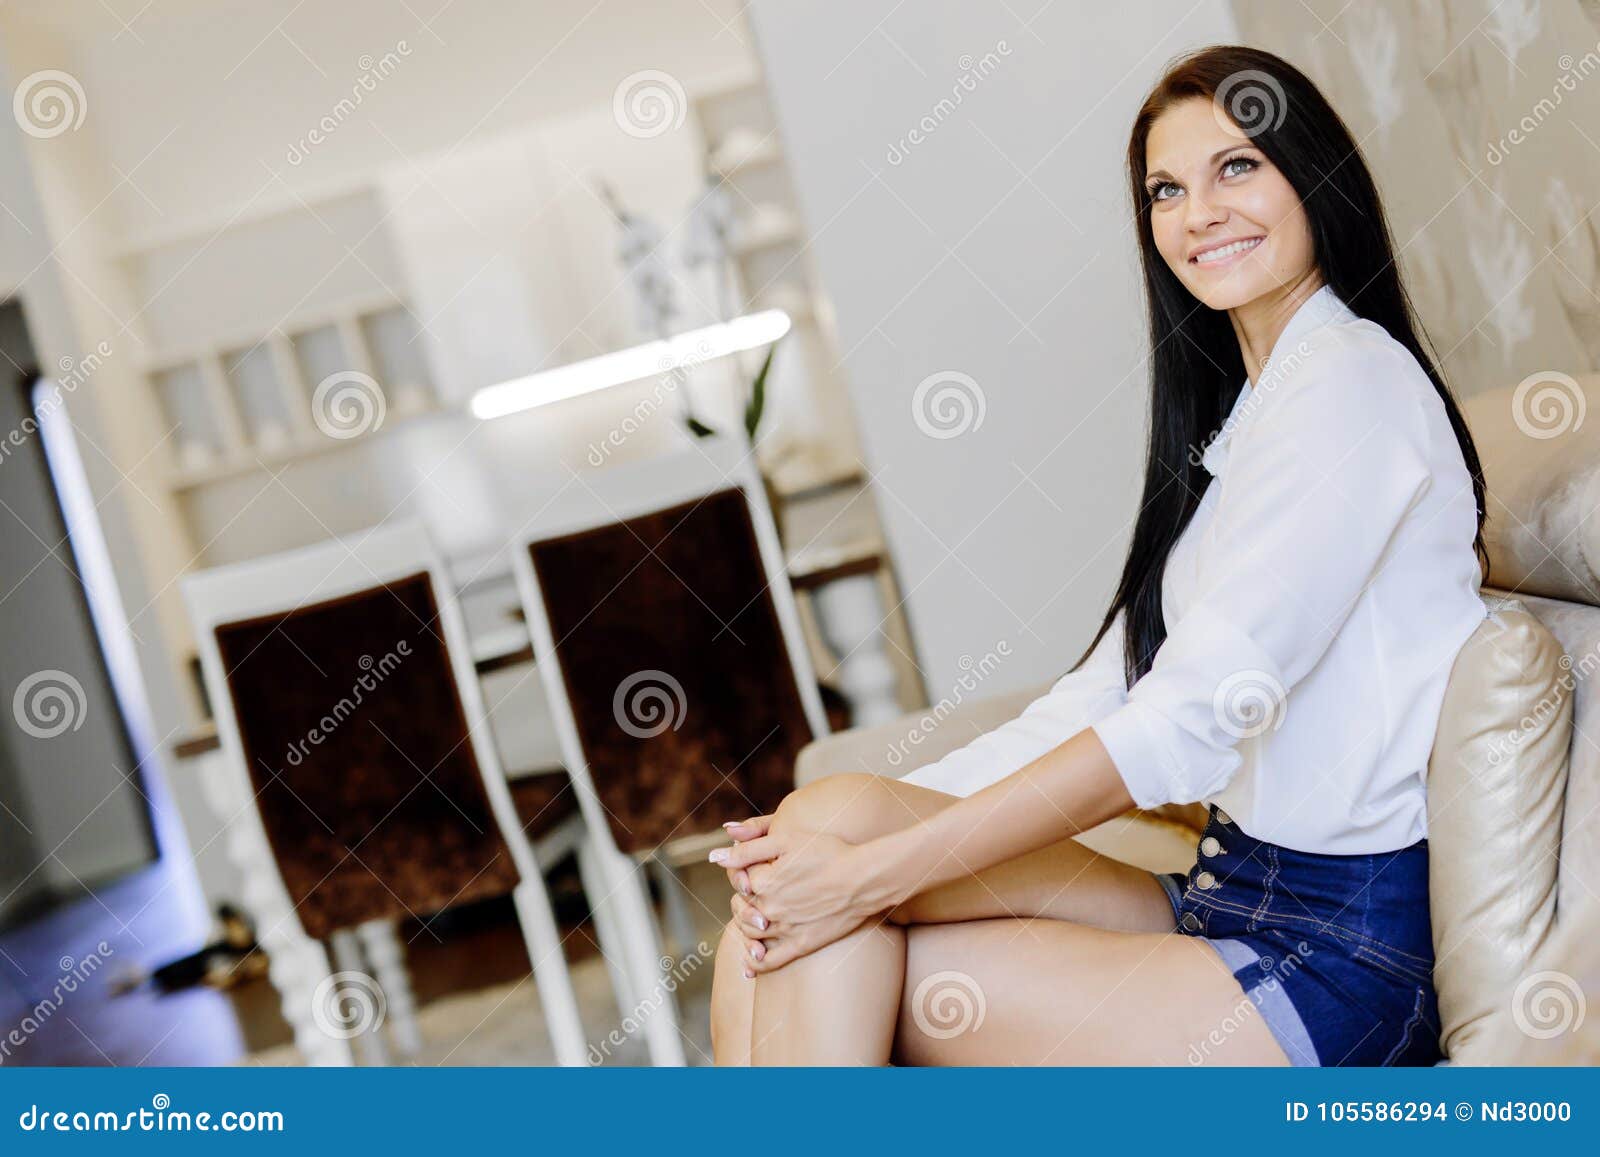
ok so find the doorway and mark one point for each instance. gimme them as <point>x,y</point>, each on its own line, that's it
<point>73,806</point>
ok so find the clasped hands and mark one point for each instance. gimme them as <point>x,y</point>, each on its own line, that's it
<point>794,891</point>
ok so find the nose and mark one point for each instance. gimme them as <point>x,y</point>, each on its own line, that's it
<point>1199,214</point>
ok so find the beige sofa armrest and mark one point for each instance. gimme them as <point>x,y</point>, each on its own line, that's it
<point>902,745</point>
<point>1162,840</point>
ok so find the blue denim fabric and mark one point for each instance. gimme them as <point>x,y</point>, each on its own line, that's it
<point>1336,951</point>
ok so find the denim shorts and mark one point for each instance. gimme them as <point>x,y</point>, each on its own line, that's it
<point>1335,951</point>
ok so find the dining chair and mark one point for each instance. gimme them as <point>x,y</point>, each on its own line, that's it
<point>666,633</point>
<point>364,785</point>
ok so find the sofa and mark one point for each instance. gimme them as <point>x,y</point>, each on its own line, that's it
<point>1514,779</point>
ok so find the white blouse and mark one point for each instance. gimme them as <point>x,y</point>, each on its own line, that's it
<point>1314,606</point>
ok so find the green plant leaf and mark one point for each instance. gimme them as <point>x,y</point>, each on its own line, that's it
<point>758,395</point>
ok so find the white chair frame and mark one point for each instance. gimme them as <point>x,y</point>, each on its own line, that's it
<point>299,964</point>
<point>603,498</point>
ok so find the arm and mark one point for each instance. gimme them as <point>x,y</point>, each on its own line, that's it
<point>1097,687</point>
<point>1068,790</point>
<point>1074,701</point>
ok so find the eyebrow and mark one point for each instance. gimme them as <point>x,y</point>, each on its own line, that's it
<point>1215,157</point>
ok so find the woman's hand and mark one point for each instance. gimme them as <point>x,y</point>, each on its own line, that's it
<point>739,881</point>
<point>805,893</point>
<point>740,830</point>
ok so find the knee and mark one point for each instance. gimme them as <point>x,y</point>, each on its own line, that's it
<point>727,980</point>
<point>855,806</point>
<point>731,1002</point>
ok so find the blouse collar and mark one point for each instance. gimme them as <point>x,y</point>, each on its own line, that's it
<point>1323,307</point>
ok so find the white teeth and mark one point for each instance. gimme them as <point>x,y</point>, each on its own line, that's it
<point>1227,251</point>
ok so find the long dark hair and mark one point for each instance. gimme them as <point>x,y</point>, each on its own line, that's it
<point>1196,363</point>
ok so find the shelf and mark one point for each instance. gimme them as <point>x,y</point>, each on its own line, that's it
<point>768,231</point>
<point>297,449</point>
<point>155,361</point>
<point>730,160</point>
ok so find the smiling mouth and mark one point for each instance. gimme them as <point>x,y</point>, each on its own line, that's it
<point>1223,252</point>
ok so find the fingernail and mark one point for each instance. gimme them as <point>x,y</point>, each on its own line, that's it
<point>749,974</point>
<point>761,921</point>
<point>759,951</point>
<point>744,888</point>
<point>731,824</point>
<point>718,855</point>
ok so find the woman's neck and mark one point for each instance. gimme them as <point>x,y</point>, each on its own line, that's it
<point>1259,323</point>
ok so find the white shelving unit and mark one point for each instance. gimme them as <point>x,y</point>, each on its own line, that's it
<point>240,397</point>
<point>256,391</point>
<point>768,249</point>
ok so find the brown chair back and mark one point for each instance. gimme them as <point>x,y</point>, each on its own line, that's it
<point>670,650</point>
<point>356,742</point>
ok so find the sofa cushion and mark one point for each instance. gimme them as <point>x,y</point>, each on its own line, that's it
<point>897,747</point>
<point>1496,784</point>
<point>1541,462</point>
<point>1577,629</point>
<point>1548,1020</point>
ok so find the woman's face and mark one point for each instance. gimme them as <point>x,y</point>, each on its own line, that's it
<point>1227,222</point>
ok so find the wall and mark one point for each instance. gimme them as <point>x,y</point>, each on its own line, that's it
<point>959,168</point>
<point>81,819</point>
<point>1482,124</point>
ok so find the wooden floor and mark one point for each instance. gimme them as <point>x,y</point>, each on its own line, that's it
<point>139,919</point>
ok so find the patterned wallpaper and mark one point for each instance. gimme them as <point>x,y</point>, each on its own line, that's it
<point>1482,123</point>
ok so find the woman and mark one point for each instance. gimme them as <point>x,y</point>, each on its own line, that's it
<point>1278,647</point>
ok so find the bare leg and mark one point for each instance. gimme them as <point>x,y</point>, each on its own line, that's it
<point>839,1005</point>
<point>854,807</point>
<point>1050,992</point>
<point>733,999</point>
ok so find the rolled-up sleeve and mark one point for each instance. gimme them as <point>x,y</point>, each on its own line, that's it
<point>1073,702</point>
<point>1313,493</point>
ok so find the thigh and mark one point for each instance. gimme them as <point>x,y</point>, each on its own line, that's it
<point>1050,992</point>
<point>1062,881</point>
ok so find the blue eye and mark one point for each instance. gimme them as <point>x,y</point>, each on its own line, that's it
<point>1246,163</point>
<point>1157,191</point>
